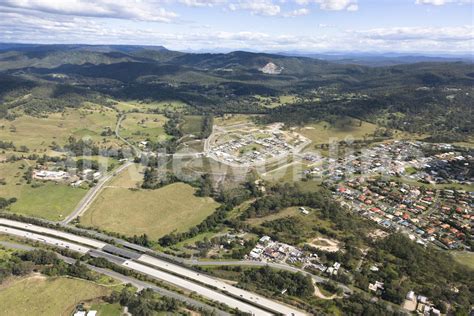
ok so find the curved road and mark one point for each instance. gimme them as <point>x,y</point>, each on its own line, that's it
<point>93,192</point>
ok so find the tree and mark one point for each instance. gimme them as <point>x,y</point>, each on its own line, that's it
<point>22,268</point>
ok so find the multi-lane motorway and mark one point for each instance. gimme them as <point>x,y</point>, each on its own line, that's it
<point>206,286</point>
<point>129,280</point>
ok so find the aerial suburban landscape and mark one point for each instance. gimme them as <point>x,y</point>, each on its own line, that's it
<point>215,157</point>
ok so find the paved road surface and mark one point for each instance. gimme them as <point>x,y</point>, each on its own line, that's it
<point>138,152</point>
<point>280,266</point>
<point>93,192</point>
<point>189,262</point>
<point>201,290</point>
<point>44,239</point>
<point>234,300</point>
<point>53,232</point>
<point>126,279</point>
<point>202,278</point>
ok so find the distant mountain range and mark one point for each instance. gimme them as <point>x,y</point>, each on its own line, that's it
<point>85,64</point>
<point>41,78</point>
<point>384,59</point>
<point>121,53</point>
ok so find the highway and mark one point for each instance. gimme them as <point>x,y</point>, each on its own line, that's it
<point>126,279</point>
<point>194,287</point>
<point>141,249</point>
<point>202,278</point>
<point>53,232</point>
<point>279,266</point>
<point>173,274</point>
<point>44,239</point>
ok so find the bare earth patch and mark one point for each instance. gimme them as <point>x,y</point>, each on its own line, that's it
<point>325,244</point>
<point>377,234</point>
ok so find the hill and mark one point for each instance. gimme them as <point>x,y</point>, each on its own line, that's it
<point>50,77</point>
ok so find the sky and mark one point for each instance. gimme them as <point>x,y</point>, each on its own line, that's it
<point>310,26</point>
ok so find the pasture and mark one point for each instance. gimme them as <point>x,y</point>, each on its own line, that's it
<point>107,309</point>
<point>45,200</point>
<point>137,127</point>
<point>234,119</point>
<point>39,295</point>
<point>131,177</point>
<point>141,106</point>
<point>152,212</point>
<point>37,133</point>
<point>273,102</point>
<point>323,132</point>
<point>192,125</point>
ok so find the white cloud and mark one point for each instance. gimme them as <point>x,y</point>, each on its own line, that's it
<point>267,8</point>
<point>447,35</point>
<point>353,7</point>
<point>120,9</point>
<point>332,5</point>
<point>443,2</point>
<point>297,12</point>
<point>47,28</point>
<point>202,3</point>
<point>336,5</point>
<point>259,7</point>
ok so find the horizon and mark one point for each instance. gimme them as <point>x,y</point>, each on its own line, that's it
<point>294,53</point>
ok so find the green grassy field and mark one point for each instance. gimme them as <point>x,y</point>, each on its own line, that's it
<point>464,257</point>
<point>104,162</point>
<point>192,124</point>
<point>174,105</point>
<point>153,212</point>
<point>272,102</point>
<point>49,200</point>
<point>440,186</point>
<point>107,309</point>
<point>232,119</point>
<point>131,177</point>
<point>140,126</point>
<point>123,106</point>
<point>306,225</point>
<point>37,133</point>
<point>322,132</point>
<point>191,146</point>
<point>39,295</point>
<point>197,166</point>
<point>126,106</point>
<point>290,211</point>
